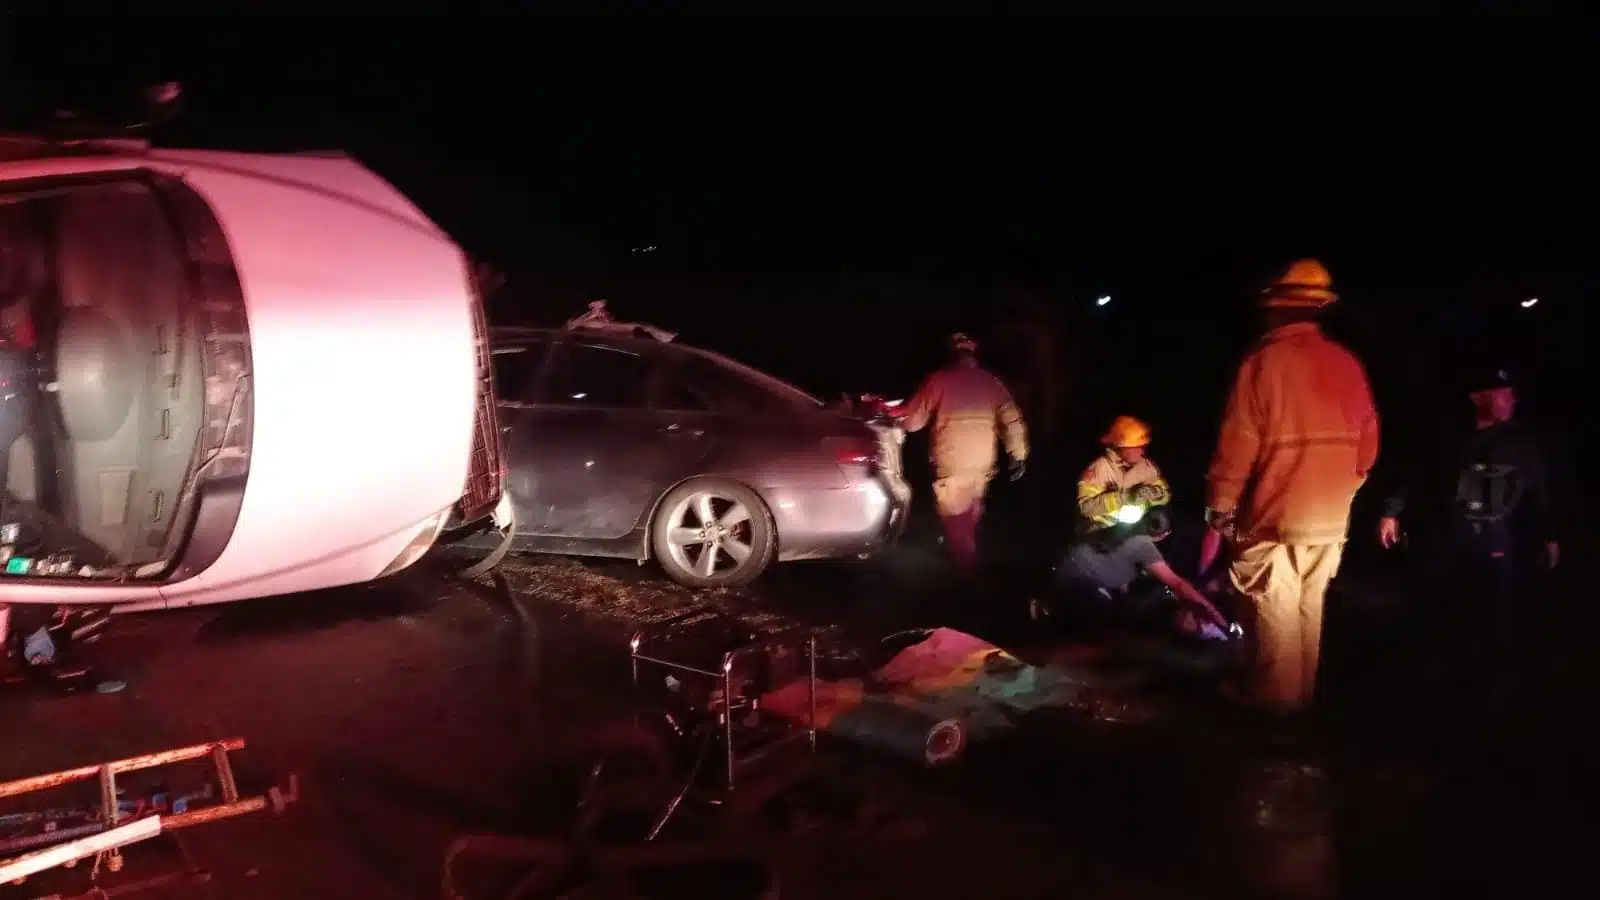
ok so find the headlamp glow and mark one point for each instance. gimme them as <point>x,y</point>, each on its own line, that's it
<point>1130,514</point>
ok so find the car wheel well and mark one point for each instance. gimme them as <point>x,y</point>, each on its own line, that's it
<point>655,510</point>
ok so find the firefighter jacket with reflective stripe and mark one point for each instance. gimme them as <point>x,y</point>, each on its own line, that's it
<point>968,407</point>
<point>1102,488</point>
<point>1299,435</point>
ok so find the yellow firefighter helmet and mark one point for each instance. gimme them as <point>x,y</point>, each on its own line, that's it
<point>1126,431</point>
<point>1305,284</point>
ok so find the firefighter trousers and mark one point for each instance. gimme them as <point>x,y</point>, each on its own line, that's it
<point>959,494</point>
<point>1286,585</point>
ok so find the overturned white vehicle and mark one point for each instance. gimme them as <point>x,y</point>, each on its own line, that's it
<point>231,375</point>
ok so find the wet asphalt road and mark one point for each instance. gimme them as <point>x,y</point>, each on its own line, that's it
<point>421,708</point>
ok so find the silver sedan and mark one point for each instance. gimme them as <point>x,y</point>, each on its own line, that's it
<point>627,445</point>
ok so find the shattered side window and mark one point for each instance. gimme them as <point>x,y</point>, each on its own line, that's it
<point>597,376</point>
<point>515,369</point>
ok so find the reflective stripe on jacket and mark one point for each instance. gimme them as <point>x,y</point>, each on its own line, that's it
<point>1101,487</point>
<point>1299,435</point>
<point>967,407</point>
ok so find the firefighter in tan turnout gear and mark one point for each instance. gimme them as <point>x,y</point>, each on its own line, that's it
<point>1122,476</point>
<point>968,408</point>
<point>1298,438</point>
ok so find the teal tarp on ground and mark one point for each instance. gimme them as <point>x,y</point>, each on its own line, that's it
<point>947,676</point>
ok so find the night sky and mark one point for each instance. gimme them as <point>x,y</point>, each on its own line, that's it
<point>828,198</point>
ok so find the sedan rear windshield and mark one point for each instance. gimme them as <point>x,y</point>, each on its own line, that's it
<point>738,388</point>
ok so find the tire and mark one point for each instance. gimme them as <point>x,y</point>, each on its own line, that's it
<point>676,534</point>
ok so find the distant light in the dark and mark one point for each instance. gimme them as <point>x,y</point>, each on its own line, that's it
<point>1530,303</point>
<point>1102,301</point>
<point>649,249</point>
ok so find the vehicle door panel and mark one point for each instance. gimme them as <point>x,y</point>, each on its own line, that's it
<point>685,419</point>
<point>604,454</point>
<point>749,436</point>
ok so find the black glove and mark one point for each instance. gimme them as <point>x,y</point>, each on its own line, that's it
<point>1017,469</point>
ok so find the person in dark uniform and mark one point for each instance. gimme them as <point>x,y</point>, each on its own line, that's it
<point>1475,517</point>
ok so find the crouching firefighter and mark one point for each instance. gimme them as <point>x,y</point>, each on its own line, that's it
<point>967,407</point>
<point>1473,515</point>
<point>1123,481</point>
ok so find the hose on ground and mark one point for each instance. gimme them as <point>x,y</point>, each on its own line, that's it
<point>526,690</point>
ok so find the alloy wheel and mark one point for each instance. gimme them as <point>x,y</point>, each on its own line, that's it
<point>709,533</point>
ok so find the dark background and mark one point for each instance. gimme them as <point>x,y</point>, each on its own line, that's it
<point>829,198</point>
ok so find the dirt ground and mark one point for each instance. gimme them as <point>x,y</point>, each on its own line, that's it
<point>421,709</point>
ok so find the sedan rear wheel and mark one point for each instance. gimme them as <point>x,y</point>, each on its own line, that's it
<point>712,533</point>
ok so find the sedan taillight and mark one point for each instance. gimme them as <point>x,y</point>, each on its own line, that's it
<point>855,455</point>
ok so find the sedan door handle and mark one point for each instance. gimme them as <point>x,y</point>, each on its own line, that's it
<point>675,428</point>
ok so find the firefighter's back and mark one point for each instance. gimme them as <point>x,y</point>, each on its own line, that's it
<point>964,428</point>
<point>1314,404</point>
